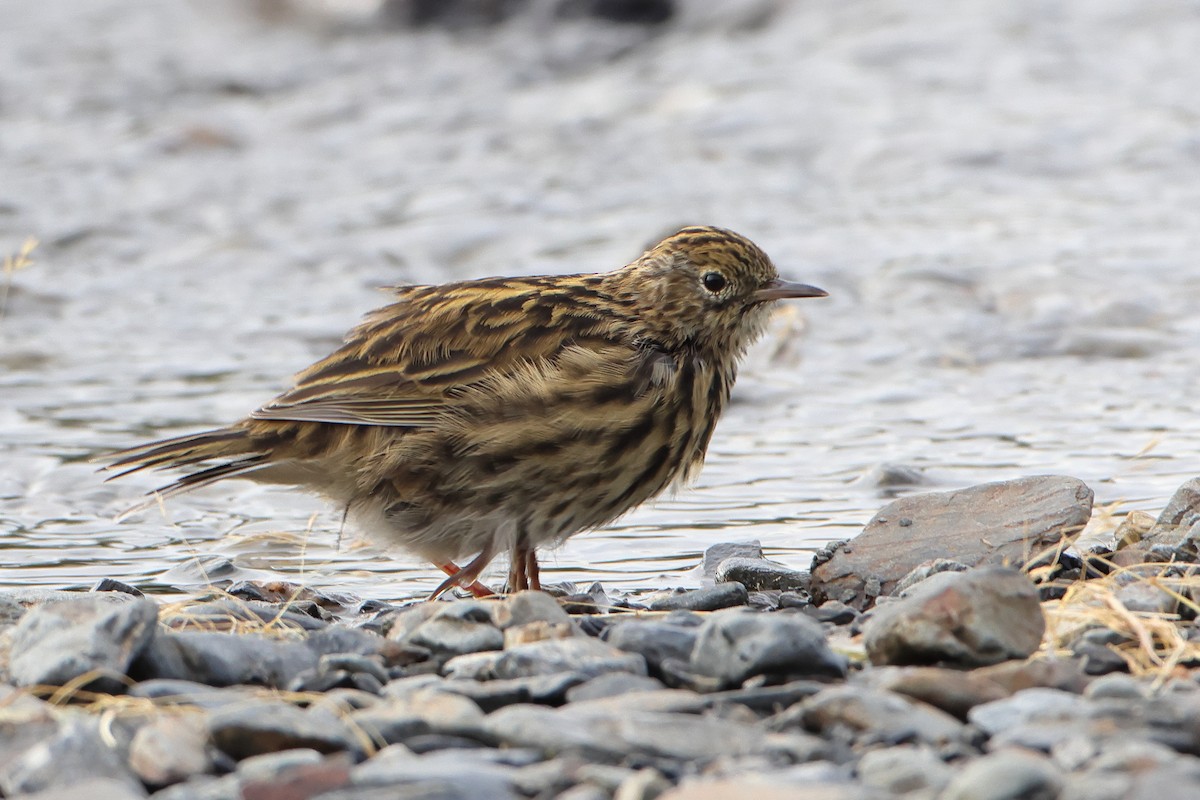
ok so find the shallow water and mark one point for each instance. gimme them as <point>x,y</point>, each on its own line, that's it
<point>1001,202</point>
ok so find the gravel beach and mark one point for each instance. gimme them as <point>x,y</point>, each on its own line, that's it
<point>948,669</point>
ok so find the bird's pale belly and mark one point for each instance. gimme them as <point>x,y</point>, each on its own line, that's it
<point>538,482</point>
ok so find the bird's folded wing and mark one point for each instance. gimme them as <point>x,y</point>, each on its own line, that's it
<point>416,362</point>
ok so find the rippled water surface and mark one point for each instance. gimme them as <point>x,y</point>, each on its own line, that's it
<point>1002,203</point>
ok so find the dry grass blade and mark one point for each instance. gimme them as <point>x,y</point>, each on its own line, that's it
<point>12,265</point>
<point>1153,642</point>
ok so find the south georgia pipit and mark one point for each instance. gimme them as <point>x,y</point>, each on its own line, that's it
<point>506,414</point>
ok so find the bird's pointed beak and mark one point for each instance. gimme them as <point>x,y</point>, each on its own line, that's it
<point>781,290</point>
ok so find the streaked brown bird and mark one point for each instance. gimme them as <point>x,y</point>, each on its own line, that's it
<point>505,414</point>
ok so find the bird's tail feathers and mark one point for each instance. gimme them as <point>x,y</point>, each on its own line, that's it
<point>233,448</point>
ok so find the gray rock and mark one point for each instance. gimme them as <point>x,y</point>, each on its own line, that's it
<point>1095,648</point>
<point>926,570</point>
<point>448,774</point>
<point>644,784</point>
<point>721,551</point>
<point>954,691</point>
<point>402,622</point>
<point>472,666</point>
<point>904,769</point>
<point>226,613</point>
<point>429,711</point>
<point>10,612</point>
<point>1144,782</point>
<point>710,598</point>
<point>871,716</point>
<point>613,735</point>
<point>1143,597</point>
<point>655,640</point>
<point>971,618</point>
<point>996,523</point>
<point>36,597</point>
<point>270,766</point>
<point>457,628</point>
<point>92,789</point>
<point>674,701</point>
<point>523,608</point>
<point>340,640</point>
<point>170,749</point>
<point>541,689</point>
<point>1181,513</point>
<point>167,692</point>
<point>1026,706</point>
<point>736,644</point>
<point>355,663</point>
<point>767,699</point>
<point>293,773</point>
<point>819,781</point>
<point>1117,686</point>
<point>1132,755</point>
<point>547,777</point>
<point>832,612</point>
<point>584,791</point>
<point>224,659</point>
<point>25,721</point>
<point>410,684</point>
<point>757,574</point>
<point>1007,775</point>
<point>56,643</point>
<point>585,656</point>
<point>226,787</point>
<point>77,752</point>
<point>251,729</point>
<point>612,684</point>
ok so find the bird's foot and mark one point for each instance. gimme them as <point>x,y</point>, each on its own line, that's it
<point>456,578</point>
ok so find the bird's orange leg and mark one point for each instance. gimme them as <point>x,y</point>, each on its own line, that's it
<point>533,570</point>
<point>524,571</point>
<point>518,580</point>
<point>453,570</point>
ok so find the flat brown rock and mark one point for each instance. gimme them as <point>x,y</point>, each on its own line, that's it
<point>1007,523</point>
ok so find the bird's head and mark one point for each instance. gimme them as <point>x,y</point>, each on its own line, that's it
<point>709,287</point>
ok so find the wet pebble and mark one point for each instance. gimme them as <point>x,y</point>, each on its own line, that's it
<point>672,637</point>
<point>710,598</point>
<point>736,644</point>
<point>757,574</point>
<point>718,553</point>
<point>832,612</point>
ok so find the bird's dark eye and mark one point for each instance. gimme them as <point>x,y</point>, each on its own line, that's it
<point>713,281</point>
